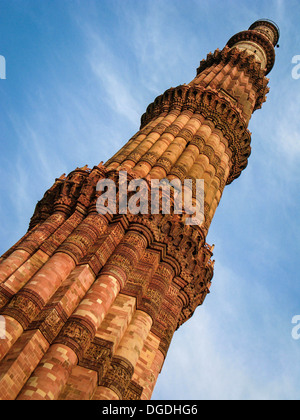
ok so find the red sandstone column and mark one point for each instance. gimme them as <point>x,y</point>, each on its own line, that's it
<point>25,306</point>
<point>27,270</point>
<point>125,359</point>
<point>81,327</point>
<point>30,244</point>
<point>196,130</point>
<point>59,360</point>
<point>115,161</point>
<point>149,366</point>
<point>27,303</point>
<point>18,362</point>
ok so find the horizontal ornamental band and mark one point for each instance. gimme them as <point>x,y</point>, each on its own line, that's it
<point>213,107</point>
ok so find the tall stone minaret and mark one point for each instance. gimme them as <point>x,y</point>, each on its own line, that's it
<point>89,300</point>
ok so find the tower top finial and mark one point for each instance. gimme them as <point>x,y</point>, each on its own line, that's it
<point>268,28</point>
<point>259,40</point>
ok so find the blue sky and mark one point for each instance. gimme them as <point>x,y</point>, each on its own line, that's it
<point>79,74</point>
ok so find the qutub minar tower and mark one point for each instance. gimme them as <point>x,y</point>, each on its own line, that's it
<point>90,302</point>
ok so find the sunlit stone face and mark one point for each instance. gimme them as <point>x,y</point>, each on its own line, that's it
<point>255,49</point>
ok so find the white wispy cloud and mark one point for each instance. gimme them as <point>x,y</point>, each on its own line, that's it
<point>115,86</point>
<point>220,354</point>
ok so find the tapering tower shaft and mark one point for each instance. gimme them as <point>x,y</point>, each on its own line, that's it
<point>91,301</point>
